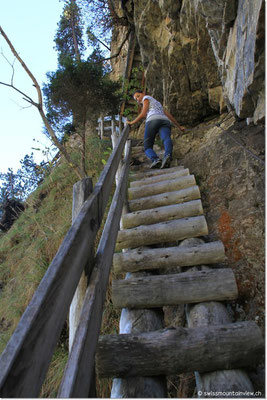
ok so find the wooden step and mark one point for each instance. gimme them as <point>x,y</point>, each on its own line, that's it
<point>161,214</point>
<point>138,321</point>
<point>162,177</point>
<point>140,149</point>
<point>178,350</point>
<point>163,232</point>
<point>146,162</point>
<point>169,198</point>
<point>167,290</point>
<point>234,380</point>
<point>161,187</point>
<point>169,257</point>
<point>153,172</point>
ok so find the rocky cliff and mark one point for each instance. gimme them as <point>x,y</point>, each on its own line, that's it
<point>201,56</point>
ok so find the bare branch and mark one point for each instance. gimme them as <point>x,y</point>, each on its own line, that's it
<point>11,65</point>
<point>100,41</point>
<point>24,66</point>
<point>26,97</point>
<point>39,106</point>
<point>120,48</point>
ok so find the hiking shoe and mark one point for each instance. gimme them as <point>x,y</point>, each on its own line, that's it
<point>156,164</point>
<point>166,163</point>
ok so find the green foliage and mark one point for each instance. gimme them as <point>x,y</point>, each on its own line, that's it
<point>18,185</point>
<point>102,16</point>
<point>134,83</point>
<point>130,86</point>
<point>81,90</point>
<point>69,41</point>
<point>55,373</point>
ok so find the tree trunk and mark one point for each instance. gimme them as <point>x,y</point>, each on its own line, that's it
<point>178,350</point>
<point>161,177</point>
<point>152,172</point>
<point>169,257</point>
<point>161,214</point>
<point>183,288</point>
<point>161,187</point>
<point>180,196</point>
<point>163,232</point>
<point>137,321</point>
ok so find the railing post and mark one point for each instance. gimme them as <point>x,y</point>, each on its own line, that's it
<point>81,191</point>
<point>114,137</point>
<point>101,128</point>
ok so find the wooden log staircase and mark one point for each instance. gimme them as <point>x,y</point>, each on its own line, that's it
<point>164,249</point>
<point>168,260</point>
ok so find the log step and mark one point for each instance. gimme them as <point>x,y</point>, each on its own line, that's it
<point>161,214</point>
<point>161,187</point>
<point>178,350</point>
<point>140,149</point>
<point>160,178</point>
<point>152,172</point>
<point>168,231</point>
<point>168,198</point>
<point>167,290</point>
<point>169,257</point>
<point>144,159</point>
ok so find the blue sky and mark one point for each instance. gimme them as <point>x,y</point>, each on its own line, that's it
<point>31,26</point>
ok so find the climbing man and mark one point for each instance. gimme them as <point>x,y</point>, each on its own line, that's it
<point>159,121</point>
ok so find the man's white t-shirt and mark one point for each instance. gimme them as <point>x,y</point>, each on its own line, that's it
<point>155,110</point>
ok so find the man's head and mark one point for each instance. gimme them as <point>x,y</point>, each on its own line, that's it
<point>138,96</point>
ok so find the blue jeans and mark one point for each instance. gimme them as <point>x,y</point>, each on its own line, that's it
<point>151,129</point>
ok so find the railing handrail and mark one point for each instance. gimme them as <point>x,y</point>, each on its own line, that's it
<point>78,379</point>
<point>26,358</point>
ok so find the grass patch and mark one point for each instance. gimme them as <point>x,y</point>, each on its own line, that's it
<point>28,248</point>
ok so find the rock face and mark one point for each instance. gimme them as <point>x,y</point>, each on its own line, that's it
<point>227,159</point>
<point>201,56</point>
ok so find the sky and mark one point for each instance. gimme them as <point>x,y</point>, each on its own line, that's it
<point>31,27</point>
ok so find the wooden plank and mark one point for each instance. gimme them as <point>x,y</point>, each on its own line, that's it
<point>180,196</point>
<point>214,313</point>
<point>161,187</point>
<point>167,290</point>
<point>29,351</point>
<point>162,233</point>
<point>160,178</point>
<point>177,350</point>
<point>81,191</point>
<point>77,380</point>
<point>169,257</point>
<point>161,214</point>
<point>152,172</point>
<point>137,321</point>
<point>101,128</point>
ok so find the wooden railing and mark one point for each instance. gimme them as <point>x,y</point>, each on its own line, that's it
<point>25,361</point>
<point>109,125</point>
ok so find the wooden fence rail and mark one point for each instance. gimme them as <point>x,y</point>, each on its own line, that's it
<point>77,380</point>
<point>109,125</point>
<point>25,361</point>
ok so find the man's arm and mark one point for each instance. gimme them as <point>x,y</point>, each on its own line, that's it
<point>142,114</point>
<point>176,123</point>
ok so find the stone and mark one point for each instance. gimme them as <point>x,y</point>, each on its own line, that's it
<point>201,55</point>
